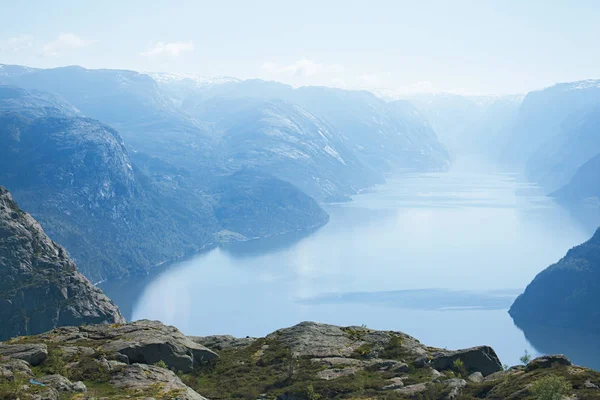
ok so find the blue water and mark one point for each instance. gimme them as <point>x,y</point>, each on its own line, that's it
<point>440,256</point>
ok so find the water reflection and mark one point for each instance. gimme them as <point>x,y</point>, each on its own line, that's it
<point>581,347</point>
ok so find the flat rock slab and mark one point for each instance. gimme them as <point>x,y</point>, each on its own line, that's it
<point>315,340</point>
<point>412,390</point>
<point>334,373</point>
<point>143,341</point>
<point>222,342</point>
<point>34,354</point>
<point>141,377</point>
<point>394,383</point>
<point>548,362</point>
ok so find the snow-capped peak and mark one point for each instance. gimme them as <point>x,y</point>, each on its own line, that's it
<point>199,80</point>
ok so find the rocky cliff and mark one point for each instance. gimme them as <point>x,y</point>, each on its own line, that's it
<point>40,287</point>
<point>147,359</point>
<point>565,294</point>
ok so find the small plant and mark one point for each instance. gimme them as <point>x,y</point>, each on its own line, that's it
<point>525,358</point>
<point>161,364</point>
<point>505,367</point>
<point>311,394</point>
<point>459,366</point>
<point>393,349</point>
<point>54,364</point>
<point>363,351</point>
<point>550,387</point>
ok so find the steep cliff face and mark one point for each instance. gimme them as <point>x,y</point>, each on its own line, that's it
<point>75,176</point>
<point>565,294</point>
<point>40,286</point>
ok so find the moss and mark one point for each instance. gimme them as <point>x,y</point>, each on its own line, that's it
<point>355,334</point>
<point>394,349</point>
<point>363,351</point>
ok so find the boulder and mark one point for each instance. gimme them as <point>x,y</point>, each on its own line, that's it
<point>58,382</point>
<point>142,377</point>
<point>456,386</point>
<point>482,359</point>
<point>34,354</point>
<point>79,387</point>
<point>149,342</point>
<point>394,383</point>
<point>548,362</point>
<point>310,339</point>
<point>589,385</point>
<point>412,390</point>
<point>475,377</point>
<point>421,361</point>
<point>435,374</point>
<point>16,366</point>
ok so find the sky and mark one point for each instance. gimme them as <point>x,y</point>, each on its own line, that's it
<point>483,47</point>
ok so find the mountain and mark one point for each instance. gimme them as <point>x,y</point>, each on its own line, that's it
<point>554,132</point>
<point>76,177</point>
<point>40,286</point>
<point>128,101</point>
<point>565,294</point>
<point>286,141</point>
<point>146,359</point>
<point>373,138</point>
<point>258,206</point>
<point>469,124</point>
<point>558,159</point>
<point>190,122</point>
<point>584,188</point>
<point>387,137</point>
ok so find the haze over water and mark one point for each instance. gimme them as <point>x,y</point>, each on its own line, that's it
<point>440,256</point>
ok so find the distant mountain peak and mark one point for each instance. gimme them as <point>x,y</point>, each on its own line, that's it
<point>199,80</point>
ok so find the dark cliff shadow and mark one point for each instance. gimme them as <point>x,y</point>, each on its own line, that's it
<point>580,347</point>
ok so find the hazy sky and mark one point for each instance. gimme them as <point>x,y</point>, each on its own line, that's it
<point>485,47</point>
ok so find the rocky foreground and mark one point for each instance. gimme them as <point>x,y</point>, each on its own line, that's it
<point>147,359</point>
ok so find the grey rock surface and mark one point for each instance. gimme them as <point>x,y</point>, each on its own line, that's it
<point>548,361</point>
<point>481,358</point>
<point>141,376</point>
<point>33,354</point>
<point>40,286</point>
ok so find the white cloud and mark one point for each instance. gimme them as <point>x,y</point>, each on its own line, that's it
<point>369,80</point>
<point>302,68</point>
<point>64,42</point>
<point>16,43</point>
<point>173,49</point>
